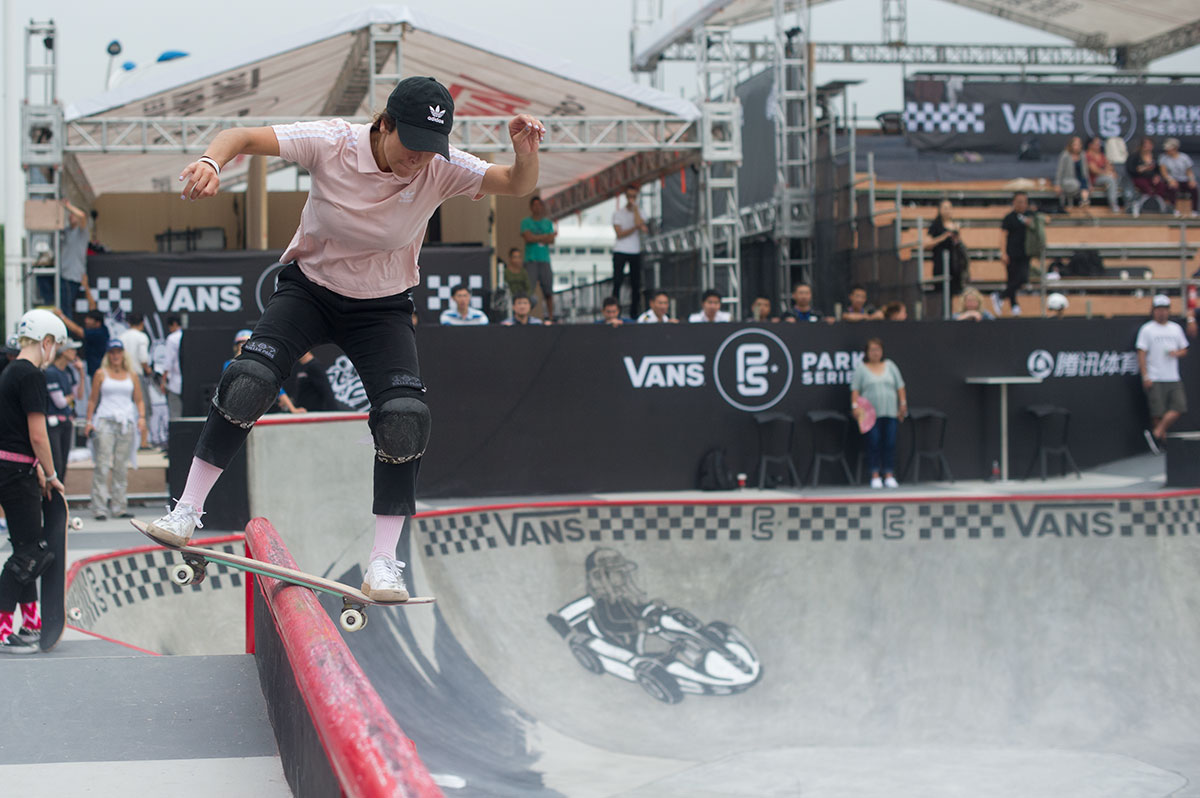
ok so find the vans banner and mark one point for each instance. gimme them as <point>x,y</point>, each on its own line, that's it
<point>950,114</point>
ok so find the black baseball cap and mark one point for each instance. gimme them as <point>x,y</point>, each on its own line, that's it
<point>423,111</point>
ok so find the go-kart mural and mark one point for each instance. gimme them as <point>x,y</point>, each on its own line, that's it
<point>666,650</point>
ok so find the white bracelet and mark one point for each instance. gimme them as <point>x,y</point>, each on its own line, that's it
<point>210,162</point>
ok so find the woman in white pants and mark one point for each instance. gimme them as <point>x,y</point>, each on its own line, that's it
<point>116,421</point>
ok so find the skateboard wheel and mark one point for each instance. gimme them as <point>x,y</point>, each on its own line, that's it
<point>183,574</point>
<point>76,523</point>
<point>74,613</point>
<point>353,620</point>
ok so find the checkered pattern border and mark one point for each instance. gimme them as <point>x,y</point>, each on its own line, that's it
<point>110,298</point>
<point>439,287</point>
<point>819,522</point>
<point>124,580</point>
<point>1023,517</point>
<point>958,520</point>
<point>943,117</point>
<point>458,533</point>
<point>1158,517</point>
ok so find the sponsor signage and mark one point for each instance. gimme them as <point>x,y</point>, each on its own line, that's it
<point>752,370</point>
<point>949,113</point>
<point>1079,519</point>
<point>1044,364</point>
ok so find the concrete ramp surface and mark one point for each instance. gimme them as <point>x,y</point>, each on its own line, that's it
<point>981,646</point>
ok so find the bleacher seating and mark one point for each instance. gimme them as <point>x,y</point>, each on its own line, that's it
<point>1134,251</point>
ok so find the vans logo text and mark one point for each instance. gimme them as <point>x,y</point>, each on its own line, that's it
<point>666,371</point>
<point>197,294</point>
<point>1040,118</point>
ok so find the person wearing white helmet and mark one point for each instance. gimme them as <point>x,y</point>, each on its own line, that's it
<point>1056,305</point>
<point>26,474</point>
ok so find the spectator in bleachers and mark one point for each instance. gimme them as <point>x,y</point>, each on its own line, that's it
<point>1160,344</point>
<point>1147,179</point>
<point>539,232</point>
<point>629,226</point>
<point>461,314</point>
<point>1071,178</point>
<point>611,310</point>
<point>521,307</point>
<point>1012,252</point>
<point>946,240</point>
<point>710,309</point>
<point>1102,174</point>
<point>760,310</point>
<point>659,311</point>
<point>895,311</point>
<point>857,308</point>
<point>802,309</point>
<point>516,278</point>
<point>1179,173</point>
<point>972,307</point>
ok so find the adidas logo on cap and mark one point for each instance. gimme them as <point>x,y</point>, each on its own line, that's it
<point>436,112</point>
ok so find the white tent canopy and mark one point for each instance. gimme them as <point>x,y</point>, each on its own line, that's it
<point>318,72</point>
<point>1159,28</point>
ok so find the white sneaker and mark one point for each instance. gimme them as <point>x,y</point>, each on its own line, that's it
<point>876,483</point>
<point>891,482</point>
<point>1016,310</point>
<point>997,305</point>
<point>384,580</point>
<point>176,527</point>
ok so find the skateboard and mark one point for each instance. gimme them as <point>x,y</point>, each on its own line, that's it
<point>53,590</point>
<point>867,419</point>
<point>354,602</point>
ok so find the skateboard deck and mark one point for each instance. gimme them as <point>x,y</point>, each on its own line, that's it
<point>53,588</point>
<point>354,601</point>
<point>867,420</point>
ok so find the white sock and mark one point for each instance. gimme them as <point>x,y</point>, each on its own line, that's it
<point>200,480</point>
<point>387,535</point>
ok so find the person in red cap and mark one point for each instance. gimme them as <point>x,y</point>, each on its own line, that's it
<point>347,278</point>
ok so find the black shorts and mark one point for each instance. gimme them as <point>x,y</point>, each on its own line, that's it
<point>376,334</point>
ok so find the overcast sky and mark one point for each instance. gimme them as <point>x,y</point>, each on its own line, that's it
<point>593,34</point>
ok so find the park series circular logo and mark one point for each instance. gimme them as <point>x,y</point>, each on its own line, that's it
<point>1040,363</point>
<point>1109,114</point>
<point>753,370</point>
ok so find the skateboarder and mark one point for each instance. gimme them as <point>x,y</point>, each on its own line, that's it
<point>26,473</point>
<point>347,279</point>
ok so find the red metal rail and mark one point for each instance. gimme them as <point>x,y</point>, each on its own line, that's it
<point>367,750</point>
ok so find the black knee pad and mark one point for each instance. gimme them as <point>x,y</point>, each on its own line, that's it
<point>401,429</point>
<point>247,389</point>
<point>30,562</point>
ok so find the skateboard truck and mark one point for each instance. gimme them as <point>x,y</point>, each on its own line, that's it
<point>354,615</point>
<point>192,571</point>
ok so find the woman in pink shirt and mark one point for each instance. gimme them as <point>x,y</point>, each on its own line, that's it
<point>347,279</point>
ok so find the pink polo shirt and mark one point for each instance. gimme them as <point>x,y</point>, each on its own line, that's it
<point>361,229</point>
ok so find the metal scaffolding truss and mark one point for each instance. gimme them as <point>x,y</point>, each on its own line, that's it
<point>477,134</point>
<point>721,155</point>
<point>753,221</point>
<point>761,53</point>
<point>721,62</point>
<point>41,158</point>
<point>965,54</point>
